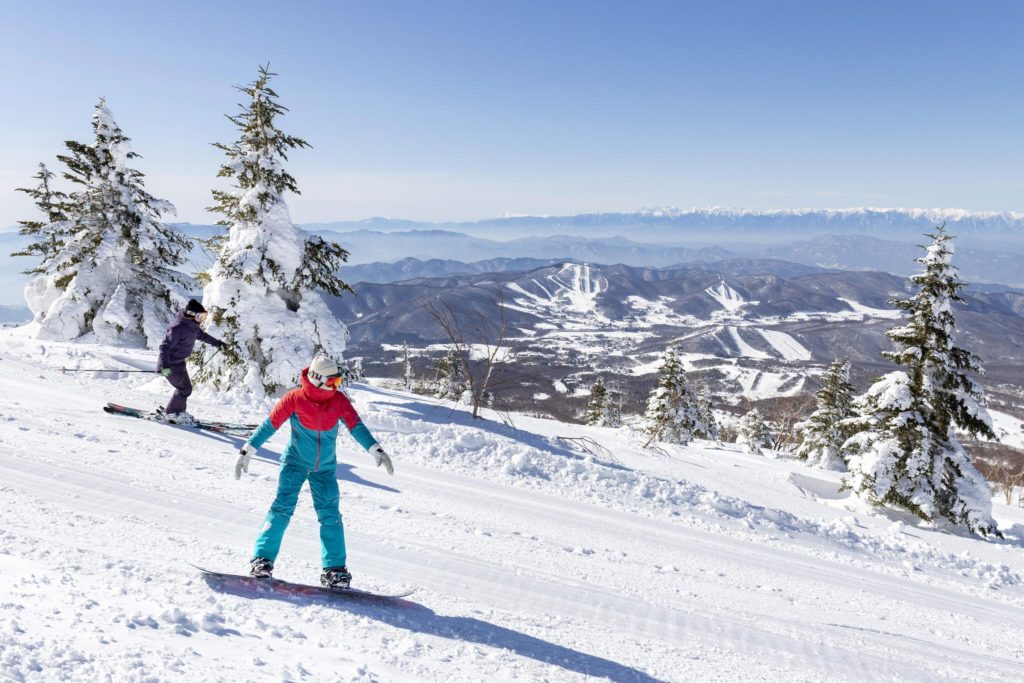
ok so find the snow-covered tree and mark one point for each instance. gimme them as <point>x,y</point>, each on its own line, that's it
<point>671,409</point>
<point>264,290</point>
<point>822,434</point>
<point>613,409</point>
<point>356,372</point>
<point>906,452</point>
<point>707,425</point>
<point>408,378</point>
<point>752,432</point>
<point>448,377</point>
<point>109,262</point>
<point>49,233</point>
<point>597,407</point>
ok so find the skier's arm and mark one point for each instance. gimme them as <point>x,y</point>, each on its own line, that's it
<point>207,339</point>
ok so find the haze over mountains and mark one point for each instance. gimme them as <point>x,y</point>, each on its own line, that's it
<point>718,224</point>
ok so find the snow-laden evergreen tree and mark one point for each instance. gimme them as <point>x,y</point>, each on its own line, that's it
<point>356,372</point>
<point>448,377</point>
<point>108,266</point>
<point>597,407</point>
<point>707,425</point>
<point>671,414</point>
<point>752,432</point>
<point>613,409</point>
<point>49,233</point>
<point>264,291</point>
<point>907,453</point>
<point>408,378</point>
<point>823,433</point>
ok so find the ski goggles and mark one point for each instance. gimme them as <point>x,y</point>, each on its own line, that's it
<point>326,381</point>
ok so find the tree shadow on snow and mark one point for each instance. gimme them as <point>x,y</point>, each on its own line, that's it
<point>411,616</point>
<point>448,415</point>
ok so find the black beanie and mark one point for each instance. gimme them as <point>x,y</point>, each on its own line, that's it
<point>193,308</point>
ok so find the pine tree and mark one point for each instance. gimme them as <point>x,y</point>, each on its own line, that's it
<point>109,263</point>
<point>752,432</point>
<point>613,410</point>
<point>263,292</point>
<point>408,378</point>
<point>707,425</point>
<point>51,232</point>
<point>448,377</point>
<point>822,434</point>
<point>598,404</point>
<point>907,453</point>
<point>358,374</point>
<point>671,410</point>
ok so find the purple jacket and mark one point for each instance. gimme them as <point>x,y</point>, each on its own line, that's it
<point>180,340</point>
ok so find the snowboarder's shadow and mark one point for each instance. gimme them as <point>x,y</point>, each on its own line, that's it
<point>414,617</point>
<point>420,619</point>
<point>343,472</point>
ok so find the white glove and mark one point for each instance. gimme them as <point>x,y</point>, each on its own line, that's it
<point>244,456</point>
<point>381,458</point>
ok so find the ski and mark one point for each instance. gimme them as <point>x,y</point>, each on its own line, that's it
<point>248,585</point>
<point>208,425</point>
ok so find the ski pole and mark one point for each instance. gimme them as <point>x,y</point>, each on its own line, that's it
<point>103,370</point>
<point>207,360</point>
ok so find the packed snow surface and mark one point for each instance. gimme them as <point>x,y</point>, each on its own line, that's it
<point>533,560</point>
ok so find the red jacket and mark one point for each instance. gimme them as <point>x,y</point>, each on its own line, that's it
<point>314,414</point>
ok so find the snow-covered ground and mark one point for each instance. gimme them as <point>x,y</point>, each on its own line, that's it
<point>533,561</point>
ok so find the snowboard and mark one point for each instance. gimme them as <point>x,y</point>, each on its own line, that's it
<point>288,589</point>
<point>232,428</point>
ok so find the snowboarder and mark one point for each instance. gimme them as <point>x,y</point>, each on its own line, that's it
<point>175,349</point>
<point>313,410</point>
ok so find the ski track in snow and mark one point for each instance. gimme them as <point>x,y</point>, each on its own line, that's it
<point>533,562</point>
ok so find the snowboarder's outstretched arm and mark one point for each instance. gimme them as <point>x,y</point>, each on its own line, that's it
<point>278,416</point>
<point>362,435</point>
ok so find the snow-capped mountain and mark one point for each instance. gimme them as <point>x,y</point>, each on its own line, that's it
<point>722,225</point>
<point>534,559</point>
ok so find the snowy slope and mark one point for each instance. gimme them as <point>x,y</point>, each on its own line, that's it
<point>533,561</point>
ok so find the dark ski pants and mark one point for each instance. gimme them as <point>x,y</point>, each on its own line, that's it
<point>182,384</point>
<point>324,487</point>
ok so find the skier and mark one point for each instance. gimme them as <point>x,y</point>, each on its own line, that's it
<point>175,349</point>
<point>313,410</point>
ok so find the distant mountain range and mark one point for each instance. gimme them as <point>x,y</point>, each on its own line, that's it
<point>718,225</point>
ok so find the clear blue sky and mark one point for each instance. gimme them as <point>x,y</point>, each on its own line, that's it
<point>457,110</point>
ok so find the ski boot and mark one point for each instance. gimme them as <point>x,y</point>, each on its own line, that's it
<point>261,568</point>
<point>335,578</point>
<point>182,418</point>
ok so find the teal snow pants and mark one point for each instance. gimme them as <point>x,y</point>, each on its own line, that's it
<point>324,487</point>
